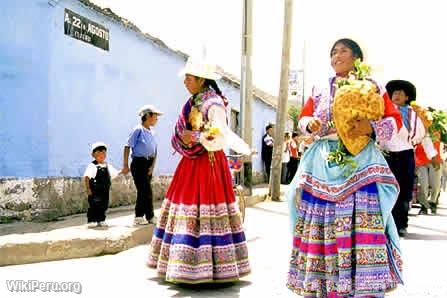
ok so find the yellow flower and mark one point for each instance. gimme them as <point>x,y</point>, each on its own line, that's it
<point>214,130</point>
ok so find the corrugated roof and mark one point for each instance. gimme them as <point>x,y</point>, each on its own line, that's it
<point>229,78</point>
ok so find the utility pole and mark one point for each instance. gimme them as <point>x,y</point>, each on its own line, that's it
<point>281,114</point>
<point>305,45</point>
<point>246,90</point>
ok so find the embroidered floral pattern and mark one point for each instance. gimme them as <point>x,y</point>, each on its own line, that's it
<point>384,129</point>
<point>325,259</point>
<point>337,193</point>
<point>185,251</point>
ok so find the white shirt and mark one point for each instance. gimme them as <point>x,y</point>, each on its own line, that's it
<point>285,152</point>
<point>226,137</point>
<point>406,139</point>
<point>302,147</point>
<point>429,147</point>
<point>92,170</point>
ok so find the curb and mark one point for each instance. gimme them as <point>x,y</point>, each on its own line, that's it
<point>80,241</point>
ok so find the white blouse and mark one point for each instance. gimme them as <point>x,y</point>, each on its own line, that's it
<point>226,137</point>
<point>406,139</point>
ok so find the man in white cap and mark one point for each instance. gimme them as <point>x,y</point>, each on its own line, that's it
<point>144,151</point>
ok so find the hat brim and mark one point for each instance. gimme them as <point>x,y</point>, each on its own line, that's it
<point>406,86</point>
<point>153,112</point>
<point>210,76</point>
<point>98,145</point>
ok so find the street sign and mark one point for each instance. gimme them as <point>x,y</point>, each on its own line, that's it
<point>85,30</point>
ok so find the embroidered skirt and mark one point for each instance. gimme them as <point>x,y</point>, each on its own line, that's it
<point>199,237</point>
<point>345,243</point>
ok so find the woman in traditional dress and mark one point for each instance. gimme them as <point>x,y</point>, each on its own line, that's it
<point>199,237</point>
<point>345,241</point>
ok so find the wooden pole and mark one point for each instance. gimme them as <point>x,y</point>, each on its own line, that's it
<point>281,115</point>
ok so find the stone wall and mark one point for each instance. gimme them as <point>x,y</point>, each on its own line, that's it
<point>45,199</point>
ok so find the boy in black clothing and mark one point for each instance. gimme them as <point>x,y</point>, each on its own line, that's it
<point>97,178</point>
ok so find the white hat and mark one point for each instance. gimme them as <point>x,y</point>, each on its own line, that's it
<point>98,144</point>
<point>200,68</point>
<point>148,109</point>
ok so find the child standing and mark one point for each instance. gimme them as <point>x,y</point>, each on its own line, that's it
<point>97,177</point>
<point>143,145</point>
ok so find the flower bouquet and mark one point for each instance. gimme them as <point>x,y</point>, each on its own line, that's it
<point>356,98</point>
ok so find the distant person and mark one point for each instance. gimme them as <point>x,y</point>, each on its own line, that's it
<point>400,149</point>
<point>97,178</point>
<point>428,170</point>
<point>292,166</point>
<point>267,149</point>
<point>285,157</point>
<point>144,153</point>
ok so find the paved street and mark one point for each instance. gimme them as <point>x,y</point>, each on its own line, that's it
<point>269,244</point>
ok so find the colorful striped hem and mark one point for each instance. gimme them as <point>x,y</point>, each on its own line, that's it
<point>196,242</point>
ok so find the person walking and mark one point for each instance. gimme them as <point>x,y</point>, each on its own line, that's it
<point>141,142</point>
<point>199,237</point>
<point>345,242</point>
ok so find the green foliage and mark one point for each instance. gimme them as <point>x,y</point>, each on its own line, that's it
<point>361,69</point>
<point>343,158</point>
<point>360,72</point>
<point>439,125</point>
<point>294,113</point>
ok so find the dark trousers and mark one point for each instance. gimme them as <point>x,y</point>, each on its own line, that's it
<point>402,165</point>
<point>284,173</point>
<point>292,166</point>
<point>268,165</point>
<point>98,204</point>
<point>139,169</point>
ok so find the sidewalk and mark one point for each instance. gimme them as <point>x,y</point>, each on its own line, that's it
<point>30,242</point>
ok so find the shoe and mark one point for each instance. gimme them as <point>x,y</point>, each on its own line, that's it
<point>423,211</point>
<point>102,224</point>
<point>403,232</point>
<point>153,220</point>
<point>140,221</point>
<point>433,208</point>
<point>91,225</point>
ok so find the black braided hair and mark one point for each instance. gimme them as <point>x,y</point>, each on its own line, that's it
<point>213,85</point>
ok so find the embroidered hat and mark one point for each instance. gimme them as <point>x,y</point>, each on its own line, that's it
<point>149,109</point>
<point>406,86</point>
<point>97,145</point>
<point>200,68</point>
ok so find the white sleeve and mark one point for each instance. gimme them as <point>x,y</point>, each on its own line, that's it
<point>302,124</point>
<point>90,171</point>
<point>419,131</point>
<point>429,148</point>
<point>268,140</point>
<point>218,118</point>
<point>112,171</point>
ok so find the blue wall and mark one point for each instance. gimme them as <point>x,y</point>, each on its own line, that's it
<point>24,62</point>
<point>58,95</point>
